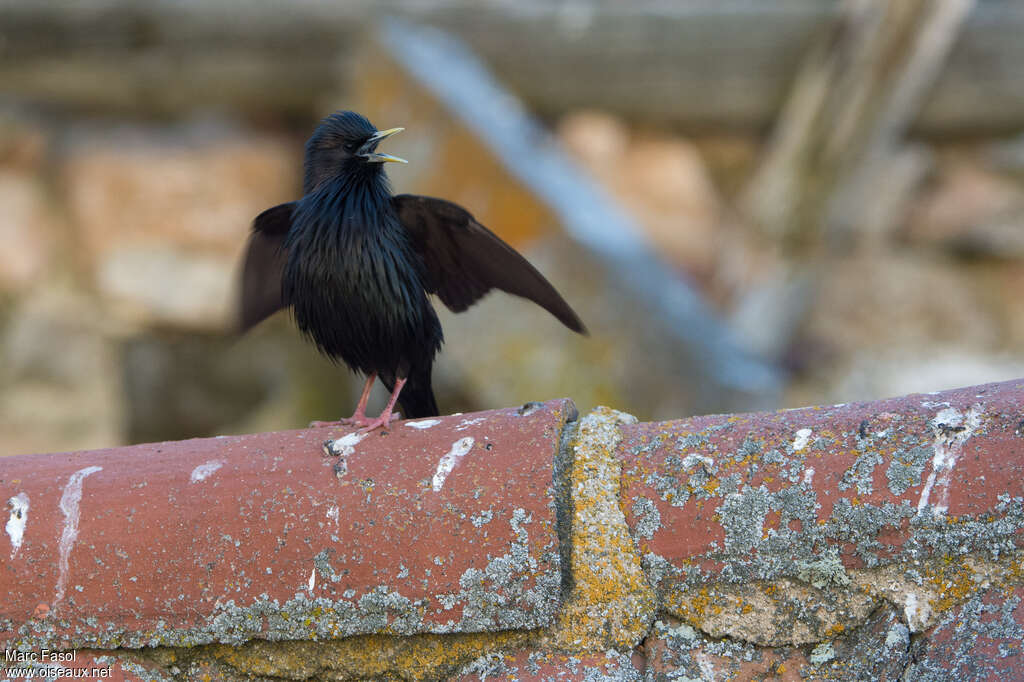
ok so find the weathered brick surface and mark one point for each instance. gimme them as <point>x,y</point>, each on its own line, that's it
<point>873,541</point>
<point>878,650</point>
<point>819,501</point>
<point>444,525</point>
<point>980,639</point>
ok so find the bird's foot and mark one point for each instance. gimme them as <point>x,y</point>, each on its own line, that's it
<point>360,421</point>
<point>382,421</point>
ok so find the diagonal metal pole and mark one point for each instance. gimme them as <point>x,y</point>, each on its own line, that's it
<point>589,216</point>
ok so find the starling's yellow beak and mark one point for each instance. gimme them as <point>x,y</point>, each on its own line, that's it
<point>368,150</point>
<point>381,134</point>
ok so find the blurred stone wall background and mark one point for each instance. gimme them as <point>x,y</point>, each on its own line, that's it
<point>138,140</point>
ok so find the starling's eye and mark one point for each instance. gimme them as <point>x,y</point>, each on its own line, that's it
<point>351,147</point>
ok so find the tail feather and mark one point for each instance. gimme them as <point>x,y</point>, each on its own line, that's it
<point>417,397</point>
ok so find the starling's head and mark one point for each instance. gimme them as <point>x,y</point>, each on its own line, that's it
<point>344,142</point>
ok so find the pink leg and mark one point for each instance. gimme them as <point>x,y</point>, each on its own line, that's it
<point>386,416</point>
<point>359,417</point>
<point>360,414</point>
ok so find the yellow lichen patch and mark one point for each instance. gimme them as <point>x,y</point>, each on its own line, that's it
<point>835,631</point>
<point>418,657</point>
<point>1015,572</point>
<point>611,604</point>
<point>695,606</point>
<point>951,584</point>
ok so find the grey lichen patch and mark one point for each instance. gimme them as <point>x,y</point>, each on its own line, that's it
<point>687,475</point>
<point>799,545</point>
<point>980,640</point>
<point>823,653</point>
<point>693,442</point>
<point>494,665</point>
<point>821,573</point>
<point>482,518</point>
<point>906,468</point>
<point>322,564</point>
<point>501,595</point>
<point>751,552</point>
<point>748,448</point>
<point>132,663</point>
<point>862,525</point>
<point>991,535</point>
<point>610,604</point>
<point>660,570</point>
<point>821,444</point>
<point>688,470</point>
<point>742,517</point>
<point>609,666</point>
<point>616,667</point>
<point>898,636</point>
<point>648,518</point>
<point>783,533</point>
<point>862,473</point>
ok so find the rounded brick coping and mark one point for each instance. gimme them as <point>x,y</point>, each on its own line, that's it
<point>915,500</point>
<point>863,477</point>
<point>439,525</point>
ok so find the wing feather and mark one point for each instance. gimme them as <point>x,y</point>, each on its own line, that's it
<point>464,260</point>
<point>265,258</point>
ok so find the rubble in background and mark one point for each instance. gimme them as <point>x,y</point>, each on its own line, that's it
<point>124,239</point>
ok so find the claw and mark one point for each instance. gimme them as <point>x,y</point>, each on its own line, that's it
<point>381,421</point>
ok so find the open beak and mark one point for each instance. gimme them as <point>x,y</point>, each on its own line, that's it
<point>367,150</point>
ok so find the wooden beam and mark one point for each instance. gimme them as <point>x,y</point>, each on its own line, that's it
<point>696,64</point>
<point>837,146</point>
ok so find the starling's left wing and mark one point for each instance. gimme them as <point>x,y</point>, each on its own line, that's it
<point>464,260</point>
<point>265,258</point>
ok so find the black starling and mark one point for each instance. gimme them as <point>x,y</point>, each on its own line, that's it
<point>356,264</point>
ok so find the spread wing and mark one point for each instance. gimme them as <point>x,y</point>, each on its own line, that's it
<point>464,260</point>
<point>265,258</point>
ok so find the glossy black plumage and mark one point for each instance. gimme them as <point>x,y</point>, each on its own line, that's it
<point>356,264</point>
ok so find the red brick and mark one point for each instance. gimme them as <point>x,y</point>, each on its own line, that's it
<point>757,496</point>
<point>232,538</point>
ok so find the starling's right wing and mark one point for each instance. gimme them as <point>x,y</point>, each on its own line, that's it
<point>265,258</point>
<point>464,260</point>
